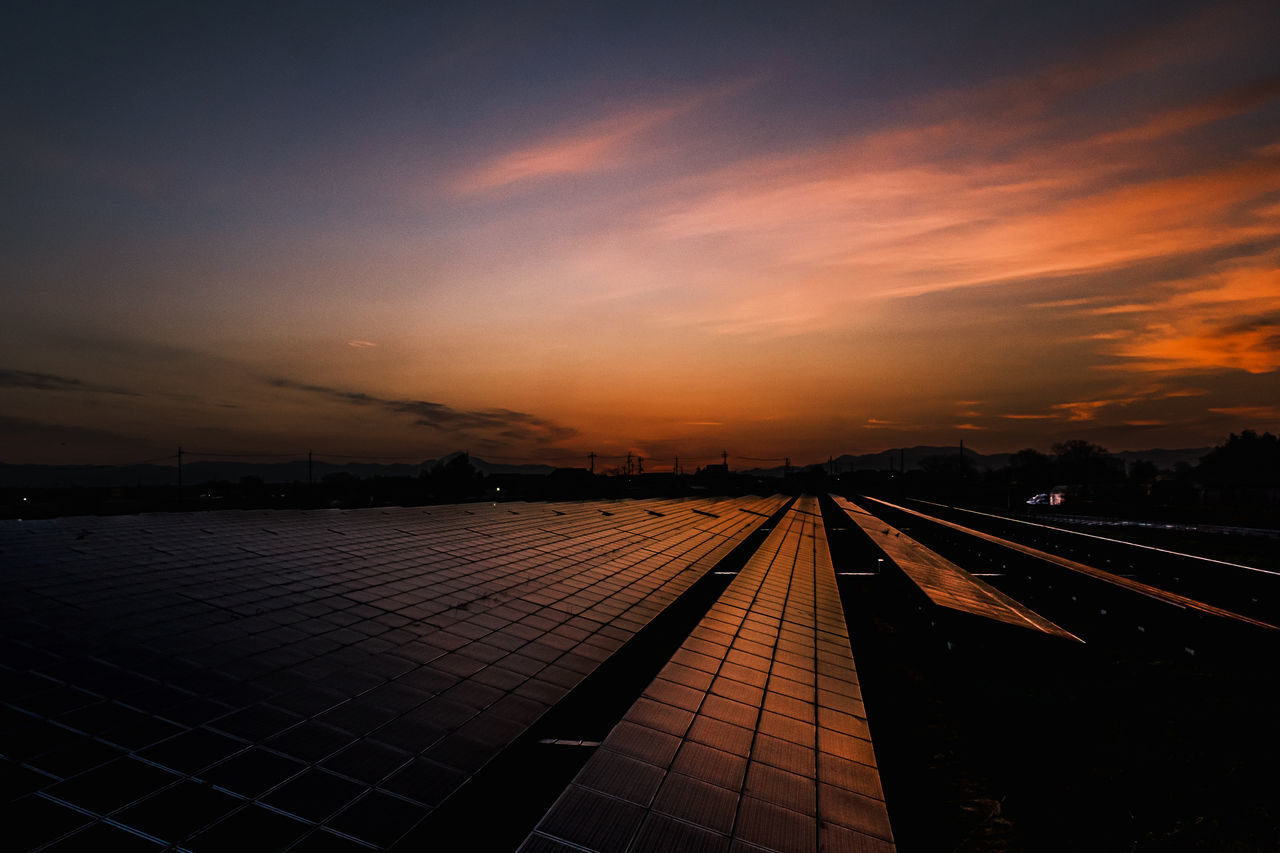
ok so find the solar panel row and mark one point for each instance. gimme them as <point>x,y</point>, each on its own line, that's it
<point>322,680</point>
<point>945,583</point>
<point>754,734</point>
<point>1126,583</point>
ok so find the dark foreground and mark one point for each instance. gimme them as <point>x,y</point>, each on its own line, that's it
<point>1003,742</point>
<point>1155,734</point>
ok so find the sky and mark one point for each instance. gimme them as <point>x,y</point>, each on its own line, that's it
<point>534,231</point>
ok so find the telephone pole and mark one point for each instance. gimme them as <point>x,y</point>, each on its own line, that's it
<point>592,457</point>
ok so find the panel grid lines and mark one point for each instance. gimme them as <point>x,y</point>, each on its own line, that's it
<point>288,675</point>
<point>751,736</point>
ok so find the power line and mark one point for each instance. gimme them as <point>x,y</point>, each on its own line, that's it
<point>145,461</point>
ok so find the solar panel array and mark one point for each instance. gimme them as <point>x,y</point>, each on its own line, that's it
<point>753,737</point>
<point>309,680</point>
<point>1126,583</point>
<point>945,583</point>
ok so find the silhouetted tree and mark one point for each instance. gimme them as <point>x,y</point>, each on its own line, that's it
<point>456,478</point>
<point>813,478</point>
<point>946,475</point>
<point>1245,459</point>
<point>1031,470</point>
<point>947,466</point>
<point>1143,472</point>
<point>1078,461</point>
<point>1246,469</point>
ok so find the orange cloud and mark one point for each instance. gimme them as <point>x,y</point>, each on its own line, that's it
<point>785,242</point>
<point>1131,308</point>
<point>1087,410</point>
<point>592,149</point>
<point>1253,347</point>
<point>600,145</point>
<point>1261,413</point>
<point>1226,318</point>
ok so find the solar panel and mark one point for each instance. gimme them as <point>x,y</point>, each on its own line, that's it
<point>943,582</point>
<point>310,679</point>
<point>752,736</point>
<point>1129,584</point>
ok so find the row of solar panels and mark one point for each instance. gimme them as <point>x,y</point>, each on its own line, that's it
<point>327,680</point>
<point>753,735</point>
<point>949,586</point>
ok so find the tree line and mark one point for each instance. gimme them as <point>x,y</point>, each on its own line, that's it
<point>1242,473</point>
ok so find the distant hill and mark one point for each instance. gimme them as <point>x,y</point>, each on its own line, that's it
<point>910,457</point>
<point>896,459</point>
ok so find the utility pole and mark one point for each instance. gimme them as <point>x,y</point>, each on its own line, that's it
<point>724,458</point>
<point>628,463</point>
<point>592,457</point>
<point>675,469</point>
<point>639,465</point>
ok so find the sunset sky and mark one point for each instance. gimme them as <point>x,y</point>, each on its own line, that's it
<point>537,230</point>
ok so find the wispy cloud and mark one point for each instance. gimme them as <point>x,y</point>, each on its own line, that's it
<point>1260,413</point>
<point>23,428</point>
<point>595,146</point>
<point>1223,105</point>
<point>50,382</point>
<point>1000,186</point>
<point>493,423</point>
<point>849,228</point>
<point>1087,410</point>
